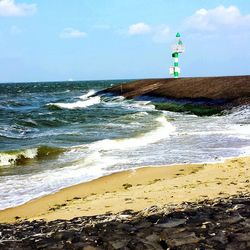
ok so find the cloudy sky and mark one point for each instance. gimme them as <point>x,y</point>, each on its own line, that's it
<point>48,40</point>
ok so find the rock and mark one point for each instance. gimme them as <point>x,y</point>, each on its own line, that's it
<point>118,244</point>
<point>91,248</point>
<point>145,224</point>
<point>43,245</point>
<point>124,226</point>
<point>172,223</point>
<point>221,238</point>
<point>152,238</point>
<point>240,200</point>
<point>180,239</point>
<point>242,236</point>
<point>232,220</point>
<point>239,206</point>
<point>63,235</point>
<point>236,245</point>
<point>136,244</point>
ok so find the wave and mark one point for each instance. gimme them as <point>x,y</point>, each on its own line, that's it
<point>76,105</point>
<point>16,131</point>
<point>231,130</point>
<point>162,131</point>
<point>29,122</point>
<point>19,157</point>
<point>89,94</point>
<point>120,101</point>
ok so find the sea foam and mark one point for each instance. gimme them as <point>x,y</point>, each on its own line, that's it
<point>163,130</point>
<point>79,104</point>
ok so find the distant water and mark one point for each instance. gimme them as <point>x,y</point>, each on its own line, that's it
<point>53,135</point>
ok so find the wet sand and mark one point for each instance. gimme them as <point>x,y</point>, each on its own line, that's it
<point>139,189</point>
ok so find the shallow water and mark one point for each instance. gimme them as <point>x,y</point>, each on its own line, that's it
<point>54,135</point>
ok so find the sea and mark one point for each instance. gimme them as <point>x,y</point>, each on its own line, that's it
<point>57,134</point>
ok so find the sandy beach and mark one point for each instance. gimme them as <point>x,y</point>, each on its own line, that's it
<point>139,189</point>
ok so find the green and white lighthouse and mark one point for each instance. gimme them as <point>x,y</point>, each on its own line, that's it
<point>177,49</point>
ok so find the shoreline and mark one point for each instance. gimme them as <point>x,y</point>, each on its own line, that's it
<point>139,189</point>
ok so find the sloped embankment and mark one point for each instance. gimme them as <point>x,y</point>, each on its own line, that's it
<point>200,95</point>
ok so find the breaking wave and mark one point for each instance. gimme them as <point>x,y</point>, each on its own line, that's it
<point>163,130</point>
<point>18,157</point>
<point>79,104</point>
<point>85,96</point>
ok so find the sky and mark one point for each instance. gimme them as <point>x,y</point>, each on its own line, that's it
<point>58,40</point>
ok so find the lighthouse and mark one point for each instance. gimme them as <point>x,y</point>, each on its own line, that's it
<point>177,49</point>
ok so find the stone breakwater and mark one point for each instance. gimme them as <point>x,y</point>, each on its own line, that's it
<point>223,223</point>
<point>224,91</point>
<point>223,87</point>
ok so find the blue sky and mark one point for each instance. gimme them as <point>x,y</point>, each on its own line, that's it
<point>49,40</point>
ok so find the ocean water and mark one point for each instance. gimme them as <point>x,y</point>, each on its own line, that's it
<point>56,134</point>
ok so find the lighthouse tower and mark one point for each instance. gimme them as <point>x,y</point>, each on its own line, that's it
<point>177,49</point>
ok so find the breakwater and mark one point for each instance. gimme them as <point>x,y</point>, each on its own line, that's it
<point>198,95</point>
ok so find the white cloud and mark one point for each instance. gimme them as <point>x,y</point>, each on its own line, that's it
<point>139,29</point>
<point>72,33</point>
<point>10,8</point>
<point>217,18</point>
<point>158,33</point>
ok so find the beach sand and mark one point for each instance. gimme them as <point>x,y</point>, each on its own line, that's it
<point>139,189</point>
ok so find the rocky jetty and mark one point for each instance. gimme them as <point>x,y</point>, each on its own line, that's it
<point>223,223</point>
<point>186,94</point>
<point>214,88</point>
